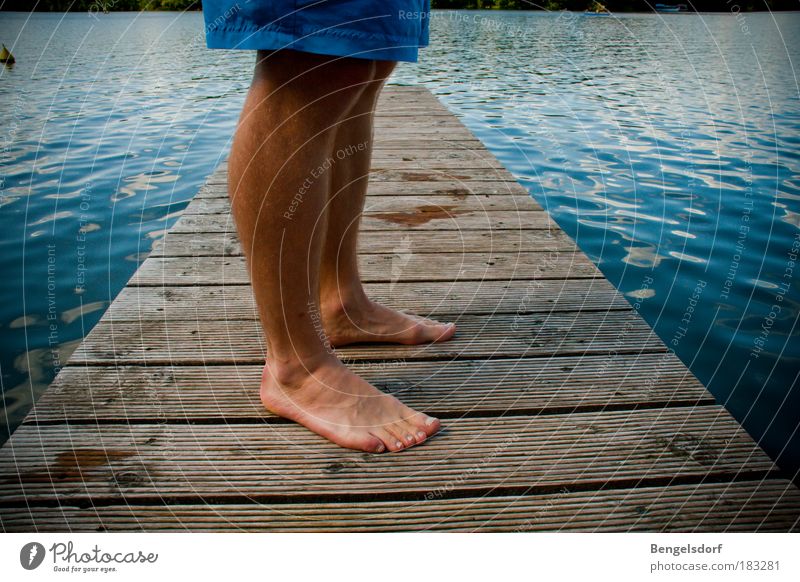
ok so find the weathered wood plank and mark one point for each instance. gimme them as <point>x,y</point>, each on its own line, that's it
<point>481,158</point>
<point>419,217</point>
<point>446,163</point>
<point>432,299</point>
<point>478,336</point>
<point>404,264</point>
<point>407,142</point>
<point>423,143</point>
<point>413,174</point>
<point>112,462</point>
<point>178,244</point>
<point>745,506</point>
<point>393,130</point>
<point>390,123</point>
<point>472,387</point>
<point>217,188</point>
<point>446,204</point>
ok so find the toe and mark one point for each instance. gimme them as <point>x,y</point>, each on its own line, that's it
<point>428,425</point>
<point>412,434</point>
<point>391,440</point>
<point>438,332</point>
<point>407,432</point>
<point>361,441</point>
<point>446,331</point>
<point>375,445</point>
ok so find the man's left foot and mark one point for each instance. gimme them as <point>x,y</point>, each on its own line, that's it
<point>368,322</point>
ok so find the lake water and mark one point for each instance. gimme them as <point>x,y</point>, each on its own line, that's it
<point>667,145</point>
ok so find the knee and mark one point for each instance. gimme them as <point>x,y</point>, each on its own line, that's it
<point>383,69</point>
<point>381,72</point>
<point>328,83</point>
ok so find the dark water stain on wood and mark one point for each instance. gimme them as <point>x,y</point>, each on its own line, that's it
<point>420,215</point>
<point>457,193</point>
<point>340,466</point>
<point>429,177</point>
<point>688,446</point>
<point>73,465</point>
<point>418,176</point>
<point>126,478</point>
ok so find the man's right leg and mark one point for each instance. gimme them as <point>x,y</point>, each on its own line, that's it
<point>349,315</point>
<point>278,182</point>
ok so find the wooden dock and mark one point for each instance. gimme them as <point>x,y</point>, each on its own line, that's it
<point>561,409</point>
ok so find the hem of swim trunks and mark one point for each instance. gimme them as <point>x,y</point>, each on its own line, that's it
<point>323,43</point>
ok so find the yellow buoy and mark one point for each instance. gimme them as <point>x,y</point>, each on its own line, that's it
<point>6,56</point>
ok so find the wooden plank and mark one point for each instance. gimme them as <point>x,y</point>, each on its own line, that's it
<point>402,171</point>
<point>480,157</point>
<point>414,112</point>
<point>419,217</point>
<point>481,455</point>
<point>399,131</point>
<point>216,187</point>
<point>418,143</point>
<point>445,204</point>
<point>744,506</point>
<point>392,123</point>
<point>412,174</point>
<point>421,143</point>
<point>478,336</point>
<point>446,389</point>
<point>384,268</point>
<point>178,244</point>
<point>431,299</point>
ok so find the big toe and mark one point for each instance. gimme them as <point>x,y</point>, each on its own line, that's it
<point>428,425</point>
<point>434,331</point>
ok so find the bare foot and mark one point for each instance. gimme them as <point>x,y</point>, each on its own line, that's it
<point>366,321</point>
<point>333,402</point>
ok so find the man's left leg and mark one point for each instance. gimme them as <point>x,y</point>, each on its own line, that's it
<point>348,314</point>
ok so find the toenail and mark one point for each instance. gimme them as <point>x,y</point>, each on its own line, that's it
<point>429,421</point>
<point>398,444</point>
<point>379,448</point>
<point>421,434</point>
<point>409,438</point>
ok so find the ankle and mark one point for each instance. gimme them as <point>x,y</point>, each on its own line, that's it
<point>340,301</point>
<point>293,371</point>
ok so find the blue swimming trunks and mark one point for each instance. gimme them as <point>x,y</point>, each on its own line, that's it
<point>391,30</point>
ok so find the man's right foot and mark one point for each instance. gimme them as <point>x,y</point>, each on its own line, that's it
<point>333,402</point>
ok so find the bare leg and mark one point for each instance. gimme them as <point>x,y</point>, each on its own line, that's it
<point>348,314</point>
<point>279,183</point>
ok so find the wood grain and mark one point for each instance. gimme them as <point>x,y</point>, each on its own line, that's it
<point>432,299</point>
<point>478,336</point>
<point>480,455</point>
<point>177,244</point>
<point>405,265</point>
<point>743,506</point>
<point>458,388</point>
